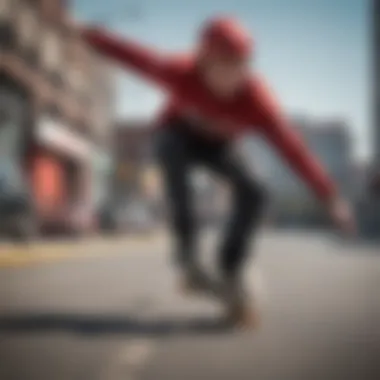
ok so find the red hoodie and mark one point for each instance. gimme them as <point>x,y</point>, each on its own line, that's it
<point>254,108</point>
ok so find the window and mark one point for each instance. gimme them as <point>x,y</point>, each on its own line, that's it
<point>51,45</point>
<point>52,55</point>
<point>7,31</point>
<point>27,25</point>
<point>77,82</point>
<point>28,32</point>
<point>102,106</point>
<point>5,10</point>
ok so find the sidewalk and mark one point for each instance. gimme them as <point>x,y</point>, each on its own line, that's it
<point>52,250</point>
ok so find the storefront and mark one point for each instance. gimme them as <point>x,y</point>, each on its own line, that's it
<point>61,176</point>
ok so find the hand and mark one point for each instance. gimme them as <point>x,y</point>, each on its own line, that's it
<point>341,214</point>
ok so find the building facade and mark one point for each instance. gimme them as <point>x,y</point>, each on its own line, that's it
<point>133,155</point>
<point>133,171</point>
<point>57,97</point>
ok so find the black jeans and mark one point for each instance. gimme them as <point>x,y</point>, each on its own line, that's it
<point>180,149</point>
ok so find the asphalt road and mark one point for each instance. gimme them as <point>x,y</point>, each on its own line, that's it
<point>117,315</point>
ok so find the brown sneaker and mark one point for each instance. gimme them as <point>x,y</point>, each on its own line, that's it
<point>195,281</point>
<point>240,309</point>
<point>243,316</point>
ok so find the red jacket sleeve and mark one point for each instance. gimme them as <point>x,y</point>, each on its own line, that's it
<point>280,133</point>
<point>143,60</point>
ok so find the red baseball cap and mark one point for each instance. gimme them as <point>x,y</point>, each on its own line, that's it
<point>227,36</point>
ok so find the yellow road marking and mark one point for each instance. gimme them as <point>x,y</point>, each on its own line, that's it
<point>16,256</point>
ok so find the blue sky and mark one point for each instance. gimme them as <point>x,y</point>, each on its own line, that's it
<point>315,53</point>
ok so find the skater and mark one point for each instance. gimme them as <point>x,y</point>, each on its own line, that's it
<point>213,98</point>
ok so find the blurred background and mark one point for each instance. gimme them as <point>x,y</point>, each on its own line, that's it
<point>78,179</point>
<point>76,133</point>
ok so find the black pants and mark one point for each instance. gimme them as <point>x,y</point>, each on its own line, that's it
<point>180,149</point>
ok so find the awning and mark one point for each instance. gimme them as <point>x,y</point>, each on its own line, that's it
<point>55,134</point>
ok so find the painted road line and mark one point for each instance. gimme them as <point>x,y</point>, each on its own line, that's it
<point>25,258</point>
<point>60,246</point>
<point>49,253</point>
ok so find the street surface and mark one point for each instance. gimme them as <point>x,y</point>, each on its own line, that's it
<point>110,309</point>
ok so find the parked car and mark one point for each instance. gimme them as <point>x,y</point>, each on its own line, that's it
<point>17,217</point>
<point>106,218</point>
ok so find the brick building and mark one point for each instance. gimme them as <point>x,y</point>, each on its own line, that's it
<point>57,97</point>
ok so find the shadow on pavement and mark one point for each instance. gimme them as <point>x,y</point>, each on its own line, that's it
<point>99,325</point>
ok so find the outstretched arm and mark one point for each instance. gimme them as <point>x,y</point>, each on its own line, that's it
<point>276,129</point>
<point>143,60</point>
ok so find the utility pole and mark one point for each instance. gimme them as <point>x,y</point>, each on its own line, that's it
<point>369,207</point>
<point>376,80</point>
